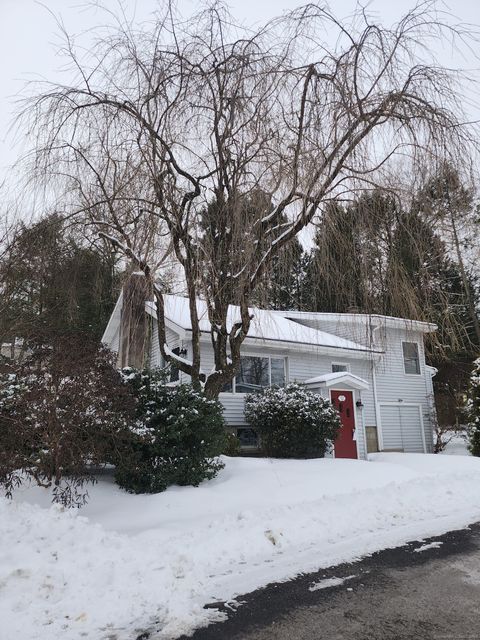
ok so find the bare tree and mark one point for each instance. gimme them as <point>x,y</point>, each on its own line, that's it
<point>168,119</point>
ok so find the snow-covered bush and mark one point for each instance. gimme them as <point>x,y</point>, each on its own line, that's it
<point>292,422</point>
<point>178,435</point>
<point>473,410</point>
<point>232,445</point>
<point>62,409</point>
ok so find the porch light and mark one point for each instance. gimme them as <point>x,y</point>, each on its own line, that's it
<point>359,404</point>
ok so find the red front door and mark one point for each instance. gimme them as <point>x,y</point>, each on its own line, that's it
<point>345,445</point>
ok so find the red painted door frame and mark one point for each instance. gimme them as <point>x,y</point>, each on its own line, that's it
<point>345,445</point>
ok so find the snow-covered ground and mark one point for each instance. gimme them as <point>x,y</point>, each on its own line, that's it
<point>457,444</point>
<point>125,563</point>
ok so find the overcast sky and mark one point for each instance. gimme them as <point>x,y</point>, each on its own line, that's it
<point>28,39</point>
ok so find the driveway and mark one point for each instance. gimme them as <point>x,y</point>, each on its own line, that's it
<point>425,590</point>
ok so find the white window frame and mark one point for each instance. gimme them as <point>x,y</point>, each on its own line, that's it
<point>405,373</point>
<point>260,355</point>
<point>340,364</point>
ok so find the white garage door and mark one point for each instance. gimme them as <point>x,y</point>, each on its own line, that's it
<point>402,428</point>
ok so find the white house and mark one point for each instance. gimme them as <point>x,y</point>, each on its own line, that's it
<point>372,368</point>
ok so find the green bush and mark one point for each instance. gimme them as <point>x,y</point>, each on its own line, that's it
<point>176,439</point>
<point>292,422</point>
<point>232,445</point>
<point>473,410</point>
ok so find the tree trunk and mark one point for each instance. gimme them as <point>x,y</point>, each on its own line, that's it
<point>133,326</point>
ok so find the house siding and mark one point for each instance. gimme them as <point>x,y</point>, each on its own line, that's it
<point>391,382</point>
<point>300,367</point>
<point>173,341</point>
<point>115,343</point>
<point>397,428</point>
<point>395,386</point>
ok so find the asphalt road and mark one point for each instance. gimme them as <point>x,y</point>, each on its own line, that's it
<point>395,594</point>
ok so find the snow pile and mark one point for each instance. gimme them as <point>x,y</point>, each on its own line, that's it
<point>457,444</point>
<point>427,547</point>
<point>327,583</point>
<point>138,563</point>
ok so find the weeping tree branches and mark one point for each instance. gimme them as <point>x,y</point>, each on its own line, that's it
<point>169,119</point>
<point>405,258</point>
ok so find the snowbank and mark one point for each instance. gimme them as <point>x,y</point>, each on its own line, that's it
<point>125,563</point>
<point>457,444</point>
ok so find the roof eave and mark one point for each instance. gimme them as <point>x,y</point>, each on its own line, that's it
<point>286,345</point>
<point>352,380</point>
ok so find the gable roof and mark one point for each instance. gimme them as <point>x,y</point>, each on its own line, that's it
<point>338,377</point>
<point>266,326</point>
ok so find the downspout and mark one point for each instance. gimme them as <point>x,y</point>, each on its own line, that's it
<point>364,432</point>
<point>377,412</point>
<point>375,396</point>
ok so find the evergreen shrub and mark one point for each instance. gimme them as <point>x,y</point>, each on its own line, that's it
<point>177,436</point>
<point>292,422</point>
<point>473,410</point>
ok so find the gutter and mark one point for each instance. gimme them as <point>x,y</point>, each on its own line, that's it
<point>290,345</point>
<point>375,401</point>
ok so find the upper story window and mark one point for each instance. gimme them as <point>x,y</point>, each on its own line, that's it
<point>411,358</point>
<point>257,372</point>
<point>337,367</point>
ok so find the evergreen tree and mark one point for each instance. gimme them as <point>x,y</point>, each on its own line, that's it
<point>281,284</point>
<point>347,267</point>
<point>473,410</point>
<point>285,285</point>
<point>448,203</point>
<point>51,284</point>
<point>415,268</point>
<point>333,280</point>
<point>426,284</point>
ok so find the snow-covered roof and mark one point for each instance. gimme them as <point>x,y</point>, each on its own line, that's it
<point>265,326</point>
<point>339,377</point>
<point>371,319</point>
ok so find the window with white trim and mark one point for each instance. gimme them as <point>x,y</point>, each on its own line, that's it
<point>256,373</point>
<point>411,358</point>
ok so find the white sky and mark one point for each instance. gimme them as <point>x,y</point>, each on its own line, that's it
<point>28,40</point>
